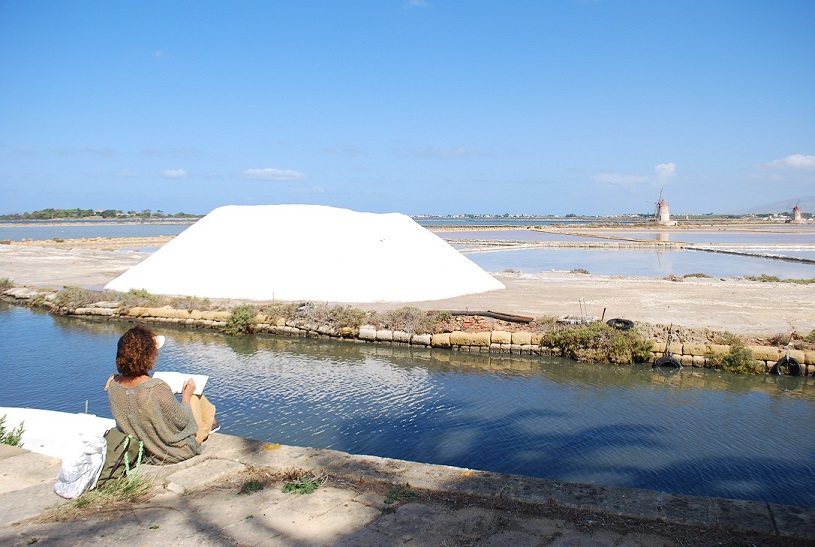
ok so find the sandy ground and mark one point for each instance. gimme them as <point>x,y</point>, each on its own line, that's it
<point>732,304</point>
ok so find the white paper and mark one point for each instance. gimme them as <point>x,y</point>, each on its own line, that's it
<point>176,380</point>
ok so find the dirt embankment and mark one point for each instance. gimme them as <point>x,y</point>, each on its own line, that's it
<point>748,308</point>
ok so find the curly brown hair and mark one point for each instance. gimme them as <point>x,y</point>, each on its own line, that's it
<point>137,352</point>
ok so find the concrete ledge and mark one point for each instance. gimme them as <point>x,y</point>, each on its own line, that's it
<point>713,513</point>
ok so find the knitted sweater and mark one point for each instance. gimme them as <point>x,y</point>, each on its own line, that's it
<point>151,413</point>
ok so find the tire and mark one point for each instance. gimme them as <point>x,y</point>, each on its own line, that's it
<point>667,361</point>
<point>791,364</point>
<point>620,324</point>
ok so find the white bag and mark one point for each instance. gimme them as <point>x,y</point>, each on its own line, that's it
<point>80,472</point>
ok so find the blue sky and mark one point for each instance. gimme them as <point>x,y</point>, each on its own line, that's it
<point>420,107</point>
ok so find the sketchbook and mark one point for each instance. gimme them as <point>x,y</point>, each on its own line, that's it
<point>176,380</point>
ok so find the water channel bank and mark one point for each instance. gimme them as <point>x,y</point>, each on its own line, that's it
<point>478,339</point>
<point>198,501</point>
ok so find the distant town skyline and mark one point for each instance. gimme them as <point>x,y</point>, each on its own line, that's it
<point>588,107</point>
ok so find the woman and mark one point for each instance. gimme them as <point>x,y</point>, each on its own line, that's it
<point>145,407</point>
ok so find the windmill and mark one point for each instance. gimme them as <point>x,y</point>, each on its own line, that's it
<point>657,205</point>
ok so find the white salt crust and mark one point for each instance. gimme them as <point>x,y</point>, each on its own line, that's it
<point>307,252</point>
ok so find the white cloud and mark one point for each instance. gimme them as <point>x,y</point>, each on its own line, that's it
<point>174,173</point>
<point>619,180</point>
<point>269,173</point>
<point>665,171</point>
<point>795,161</point>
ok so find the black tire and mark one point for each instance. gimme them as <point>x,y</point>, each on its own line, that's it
<point>790,364</point>
<point>620,324</point>
<point>667,361</point>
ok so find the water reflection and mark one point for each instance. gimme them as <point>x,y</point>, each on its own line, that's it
<point>695,432</point>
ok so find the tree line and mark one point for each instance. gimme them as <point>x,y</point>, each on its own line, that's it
<point>63,214</point>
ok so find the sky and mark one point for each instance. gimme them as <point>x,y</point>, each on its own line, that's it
<point>555,107</point>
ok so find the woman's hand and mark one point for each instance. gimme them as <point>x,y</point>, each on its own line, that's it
<point>187,391</point>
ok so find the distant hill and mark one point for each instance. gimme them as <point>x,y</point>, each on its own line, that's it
<point>807,205</point>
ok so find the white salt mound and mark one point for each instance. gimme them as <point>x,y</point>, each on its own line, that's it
<point>307,252</point>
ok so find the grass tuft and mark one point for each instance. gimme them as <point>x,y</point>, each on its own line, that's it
<point>12,437</point>
<point>112,496</point>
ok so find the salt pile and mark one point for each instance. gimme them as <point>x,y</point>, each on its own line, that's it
<point>307,252</point>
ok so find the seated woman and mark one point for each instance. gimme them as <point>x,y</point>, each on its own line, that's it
<point>145,407</point>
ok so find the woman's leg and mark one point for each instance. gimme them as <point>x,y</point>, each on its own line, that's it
<point>204,413</point>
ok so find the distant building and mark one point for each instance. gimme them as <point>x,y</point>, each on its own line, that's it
<point>664,214</point>
<point>796,216</point>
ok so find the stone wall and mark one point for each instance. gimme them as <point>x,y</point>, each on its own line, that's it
<point>492,341</point>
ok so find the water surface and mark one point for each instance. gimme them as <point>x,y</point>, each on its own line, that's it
<point>696,432</point>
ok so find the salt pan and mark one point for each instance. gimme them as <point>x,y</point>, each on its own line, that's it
<point>307,252</point>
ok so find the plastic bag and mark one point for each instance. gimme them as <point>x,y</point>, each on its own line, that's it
<point>80,472</point>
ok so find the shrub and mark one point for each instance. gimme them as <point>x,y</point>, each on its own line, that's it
<point>242,320</point>
<point>412,320</point>
<point>599,342</point>
<point>580,271</point>
<point>6,283</point>
<point>697,274</point>
<point>190,303</point>
<point>140,298</point>
<point>810,337</point>
<point>740,360</point>
<point>764,278</point>
<point>12,437</point>
<point>75,297</point>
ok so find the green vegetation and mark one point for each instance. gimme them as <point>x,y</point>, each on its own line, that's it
<point>411,320</point>
<point>5,283</point>
<point>250,487</point>
<point>298,481</point>
<point>764,278</point>
<point>810,337</point>
<point>12,437</point>
<point>242,320</point>
<point>113,496</point>
<point>140,298</point>
<point>599,342</point>
<point>74,214</point>
<point>739,360</point>
<point>75,297</point>
<point>399,492</point>
<point>697,274</point>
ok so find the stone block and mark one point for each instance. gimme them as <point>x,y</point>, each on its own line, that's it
<point>694,349</point>
<point>440,340</point>
<point>521,338</point>
<point>536,339</point>
<point>401,336</point>
<point>367,334</point>
<point>421,339</point>
<point>676,348</point>
<point>501,337</point>
<point>699,361</point>
<point>765,353</point>
<point>809,357</point>
<point>797,354</point>
<point>384,335</point>
<point>718,350</point>
<point>479,339</point>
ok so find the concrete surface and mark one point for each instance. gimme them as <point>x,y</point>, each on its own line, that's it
<point>198,502</point>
